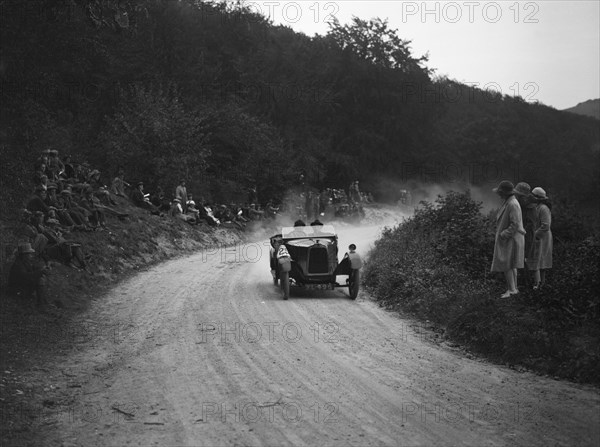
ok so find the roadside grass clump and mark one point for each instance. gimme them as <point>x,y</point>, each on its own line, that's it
<point>435,266</point>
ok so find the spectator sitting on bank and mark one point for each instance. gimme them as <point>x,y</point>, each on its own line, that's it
<point>37,201</point>
<point>58,247</point>
<point>96,215</point>
<point>55,205</point>
<point>53,222</point>
<point>107,210</point>
<point>26,278</point>
<point>40,178</point>
<point>210,217</point>
<point>271,210</point>
<point>41,164</point>
<point>189,200</point>
<point>93,179</point>
<point>82,172</point>
<point>99,189</point>
<point>191,208</point>
<point>69,171</point>
<point>255,212</point>
<point>119,184</point>
<point>177,211</point>
<point>203,214</point>
<point>142,200</point>
<point>226,218</point>
<point>78,214</point>
<point>79,183</point>
<point>239,214</point>
<point>158,200</point>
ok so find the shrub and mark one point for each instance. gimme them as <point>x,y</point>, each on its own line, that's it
<point>435,265</point>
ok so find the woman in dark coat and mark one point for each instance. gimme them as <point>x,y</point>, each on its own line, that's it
<point>509,246</point>
<point>540,257</point>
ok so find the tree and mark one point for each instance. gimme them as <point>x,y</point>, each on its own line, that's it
<point>373,41</point>
<point>154,138</point>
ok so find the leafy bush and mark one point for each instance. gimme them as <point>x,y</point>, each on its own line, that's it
<point>443,250</point>
<point>573,287</point>
<point>435,265</point>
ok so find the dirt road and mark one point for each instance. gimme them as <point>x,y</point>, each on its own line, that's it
<point>203,351</point>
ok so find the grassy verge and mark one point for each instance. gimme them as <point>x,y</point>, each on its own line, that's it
<point>435,266</point>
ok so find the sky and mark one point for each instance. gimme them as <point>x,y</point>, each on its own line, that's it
<point>543,51</point>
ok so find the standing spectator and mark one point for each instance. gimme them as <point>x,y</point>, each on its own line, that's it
<point>28,232</point>
<point>55,166</point>
<point>523,196</point>
<point>540,258</point>
<point>308,209</point>
<point>354,192</point>
<point>25,277</point>
<point>509,246</point>
<point>181,194</point>
<point>252,194</point>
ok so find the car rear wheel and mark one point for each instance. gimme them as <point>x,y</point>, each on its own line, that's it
<point>285,284</point>
<point>354,283</point>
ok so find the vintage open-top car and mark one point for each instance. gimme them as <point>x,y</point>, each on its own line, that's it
<point>308,257</point>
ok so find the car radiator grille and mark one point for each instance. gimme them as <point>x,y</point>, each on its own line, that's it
<point>318,260</point>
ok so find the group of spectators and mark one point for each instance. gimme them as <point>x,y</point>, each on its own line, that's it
<point>330,202</point>
<point>183,206</point>
<point>523,234</point>
<point>66,198</point>
<point>69,197</point>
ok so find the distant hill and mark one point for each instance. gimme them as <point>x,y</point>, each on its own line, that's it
<point>588,108</point>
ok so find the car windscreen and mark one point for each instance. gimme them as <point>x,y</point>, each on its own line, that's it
<point>308,231</point>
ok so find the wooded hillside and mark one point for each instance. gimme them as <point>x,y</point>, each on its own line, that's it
<point>216,94</point>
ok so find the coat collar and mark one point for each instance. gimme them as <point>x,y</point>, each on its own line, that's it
<point>503,207</point>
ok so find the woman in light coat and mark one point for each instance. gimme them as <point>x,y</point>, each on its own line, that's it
<point>509,246</point>
<point>540,257</point>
